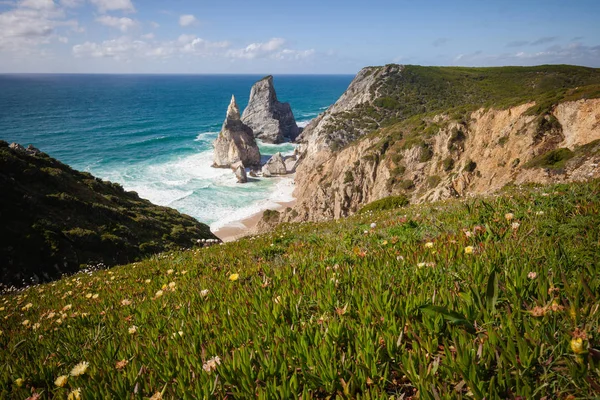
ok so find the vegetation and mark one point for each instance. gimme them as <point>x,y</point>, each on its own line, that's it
<point>490,298</point>
<point>408,91</point>
<point>56,219</point>
<point>387,203</point>
<point>554,159</point>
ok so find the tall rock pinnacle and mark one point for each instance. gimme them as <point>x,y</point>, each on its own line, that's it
<point>270,120</point>
<point>235,141</point>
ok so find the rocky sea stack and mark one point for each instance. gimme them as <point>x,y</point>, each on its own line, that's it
<point>271,121</point>
<point>235,142</point>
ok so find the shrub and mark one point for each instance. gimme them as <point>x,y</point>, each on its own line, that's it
<point>348,177</point>
<point>407,184</point>
<point>387,203</point>
<point>470,166</point>
<point>448,164</point>
<point>426,153</point>
<point>554,159</point>
<point>433,181</point>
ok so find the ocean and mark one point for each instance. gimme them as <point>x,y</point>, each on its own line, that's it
<point>153,133</point>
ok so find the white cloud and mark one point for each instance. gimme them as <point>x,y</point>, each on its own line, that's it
<point>127,49</point>
<point>123,23</point>
<point>258,50</point>
<point>574,53</point>
<point>71,3</point>
<point>274,49</point>
<point>148,36</point>
<point>113,5</point>
<point>187,20</point>
<point>30,24</point>
<point>38,4</point>
<point>154,24</point>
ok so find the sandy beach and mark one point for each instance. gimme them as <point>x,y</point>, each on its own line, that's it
<point>238,229</point>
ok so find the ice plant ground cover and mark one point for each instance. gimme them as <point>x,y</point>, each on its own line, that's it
<point>494,297</point>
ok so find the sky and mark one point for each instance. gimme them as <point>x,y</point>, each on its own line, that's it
<point>293,37</point>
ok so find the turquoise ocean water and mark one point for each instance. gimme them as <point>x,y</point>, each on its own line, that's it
<point>153,133</point>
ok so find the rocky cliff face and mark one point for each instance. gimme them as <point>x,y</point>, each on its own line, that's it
<point>235,142</point>
<point>371,145</point>
<point>271,121</point>
<point>489,150</point>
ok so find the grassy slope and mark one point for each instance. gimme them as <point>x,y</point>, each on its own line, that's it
<point>418,91</point>
<point>336,308</point>
<point>52,214</point>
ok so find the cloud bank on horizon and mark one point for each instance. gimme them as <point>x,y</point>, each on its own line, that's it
<point>150,36</point>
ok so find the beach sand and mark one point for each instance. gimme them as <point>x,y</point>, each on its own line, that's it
<point>245,227</point>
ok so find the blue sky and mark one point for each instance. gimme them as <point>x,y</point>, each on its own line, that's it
<point>326,36</point>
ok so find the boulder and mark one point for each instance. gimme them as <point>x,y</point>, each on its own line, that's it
<point>270,120</point>
<point>240,174</point>
<point>16,147</point>
<point>290,163</point>
<point>235,141</point>
<point>275,166</point>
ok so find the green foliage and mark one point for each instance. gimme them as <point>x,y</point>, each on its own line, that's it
<point>426,153</point>
<point>55,218</point>
<point>271,216</point>
<point>406,184</point>
<point>554,159</point>
<point>337,309</point>
<point>448,164</point>
<point>470,166</point>
<point>348,177</point>
<point>387,203</point>
<point>433,181</point>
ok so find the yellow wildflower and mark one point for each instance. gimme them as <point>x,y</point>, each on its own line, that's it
<point>75,394</point>
<point>469,250</point>
<point>27,307</point>
<point>132,329</point>
<point>509,216</point>
<point>19,382</point>
<point>172,285</point>
<point>158,293</point>
<point>234,277</point>
<point>147,281</point>
<point>95,296</point>
<point>61,381</point>
<point>26,322</point>
<point>80,368</point>
<point>577,345</point>
<point>170,271</point>
<point>429,245</point>
<point>67,307</point>
<point>125,302</point>
<point>88,296</point>
<point>204,293</point>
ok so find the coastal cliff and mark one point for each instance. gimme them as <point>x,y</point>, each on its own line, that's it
<point>422,133</point>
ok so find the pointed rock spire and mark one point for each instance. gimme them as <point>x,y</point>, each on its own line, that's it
<point>233,111</point>
<point>235,142</point>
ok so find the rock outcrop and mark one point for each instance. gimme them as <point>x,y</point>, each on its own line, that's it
<point>240,172</point>
<point>235,141</point>
<point>275,166</point>
<point>270,120</point>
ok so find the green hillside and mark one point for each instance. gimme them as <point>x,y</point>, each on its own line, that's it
<point>402,92</point>
<point>494,298</point>
<point>56,220</point>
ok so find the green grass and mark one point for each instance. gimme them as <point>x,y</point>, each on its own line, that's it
<point>481,298</point>
<point>401,94</point>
